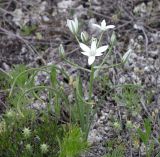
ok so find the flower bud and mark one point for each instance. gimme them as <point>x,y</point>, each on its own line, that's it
<point>73,26</point>
<point>113,38</point>
<point>61,51</point>
<point>126,55</point>
<point>84,37</point>
<point>44,148</point>
<point>26,132</point>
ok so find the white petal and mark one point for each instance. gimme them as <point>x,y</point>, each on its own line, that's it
<point>73,25</point>
<point>86,53</point>
<point>103,23</point>
<point>101,49</point>
<point>84,47</point>
<point>76,24</point>
<point>109,27</point>
<point>93,46</point>
<point>98,26</point>
<point>99,54</point>
<point>91,60</point>
<point>69,24</point>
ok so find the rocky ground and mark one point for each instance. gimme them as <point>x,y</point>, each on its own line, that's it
<point>31,31</point>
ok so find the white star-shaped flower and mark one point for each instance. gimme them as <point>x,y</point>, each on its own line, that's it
<point>103,26</point>
<point>93,51</point>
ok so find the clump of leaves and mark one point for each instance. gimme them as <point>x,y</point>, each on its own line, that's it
<point>28,30</point>
<point>145,136</point>
<point>118,152</point>
<point>73,143</point>
<point>130,98</point>
<point>115,143</point>
<point>25,136</point>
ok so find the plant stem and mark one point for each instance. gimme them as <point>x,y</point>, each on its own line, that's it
<point>75,65</point>
<point>100,38</point>
<point>77,39</point>
<point>91,83</point>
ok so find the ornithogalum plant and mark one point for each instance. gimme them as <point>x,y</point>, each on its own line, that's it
<point>85,109</point>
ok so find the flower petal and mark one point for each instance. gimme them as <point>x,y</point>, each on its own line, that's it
<point>69,25</point>
<point>86,53</point>
<point>101,49</point>
<point>84,47</point>
<point>76,23</point>
<point>91,60</point>
<point>98,26</point>
<point>109,27</point>
<point>99,54</point>
<point>103,24</point>
<point>93,46</point>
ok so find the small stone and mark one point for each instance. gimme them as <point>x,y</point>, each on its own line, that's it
<point>102,117</point>
<point>45,18</point>
<point>122,79</point>
<point>93,137</point>
<point>140,38</point>
<point>154,53</point>
<point>146,69</point>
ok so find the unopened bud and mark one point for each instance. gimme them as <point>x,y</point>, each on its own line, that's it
<point>84,37</point>
<point>113,38</point>
<point>73,26</point>
<point>126,55</point>
<point>61,51</point>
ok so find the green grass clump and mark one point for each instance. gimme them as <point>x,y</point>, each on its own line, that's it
<point>73,143</point>
<point>16,141</point>
<point>130,98</point>
<point>26,132</point>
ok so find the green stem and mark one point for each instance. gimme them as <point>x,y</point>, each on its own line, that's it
<point>7,74</point>
<point>34,69</point>
<point>77,39</point>
<point>91,83</point>
<point>100,38</point>
<point>75,65</point>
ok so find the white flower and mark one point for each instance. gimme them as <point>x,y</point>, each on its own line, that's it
<point>93,51</point>
<point>73,25</point>
<point>103,26</point>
